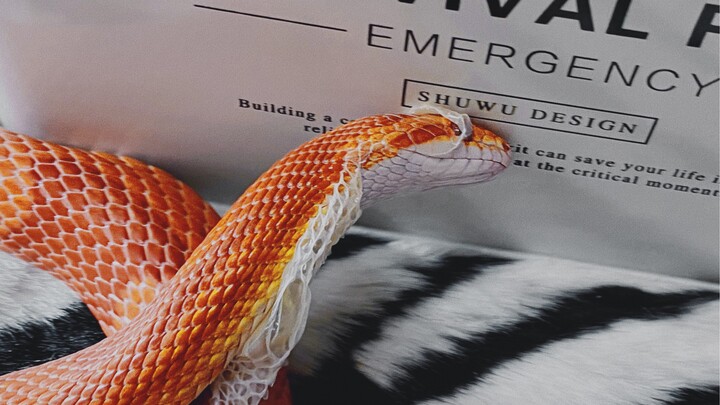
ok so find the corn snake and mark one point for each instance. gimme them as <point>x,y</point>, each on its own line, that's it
<point>175,319</point>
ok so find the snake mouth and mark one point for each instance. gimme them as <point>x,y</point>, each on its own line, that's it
<point>425,168</point>
<point>476,170</point>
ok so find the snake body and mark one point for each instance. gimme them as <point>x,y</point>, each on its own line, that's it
<point>117,231</point>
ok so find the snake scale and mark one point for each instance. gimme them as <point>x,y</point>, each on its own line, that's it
<point>184,311</point>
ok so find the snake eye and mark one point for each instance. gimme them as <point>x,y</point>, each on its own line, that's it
<point>456,129</point>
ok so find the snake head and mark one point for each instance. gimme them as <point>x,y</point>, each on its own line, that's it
<point>426,151</point>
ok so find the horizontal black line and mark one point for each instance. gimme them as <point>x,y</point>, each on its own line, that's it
<point>327,27</point>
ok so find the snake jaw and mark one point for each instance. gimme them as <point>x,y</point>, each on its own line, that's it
<point>431,155</point>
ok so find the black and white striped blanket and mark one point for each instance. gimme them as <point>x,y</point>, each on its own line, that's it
<point>403,320</point>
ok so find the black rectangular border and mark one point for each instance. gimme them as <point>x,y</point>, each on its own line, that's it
<point>647,139</point>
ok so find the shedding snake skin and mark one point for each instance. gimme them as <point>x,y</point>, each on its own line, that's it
<point>182,310</point>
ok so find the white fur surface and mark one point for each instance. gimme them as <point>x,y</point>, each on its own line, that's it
<point>491,300</point>
<point>28,294</point>
<point>381,278</point>
<point>627,361</point>
<point>631,362</point>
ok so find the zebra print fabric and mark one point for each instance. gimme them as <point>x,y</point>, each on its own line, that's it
<point>403,320</point>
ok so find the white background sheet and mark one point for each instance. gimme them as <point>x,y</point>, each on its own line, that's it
<point>612,106</point>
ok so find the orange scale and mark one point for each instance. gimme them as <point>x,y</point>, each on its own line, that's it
<point>174,256</point>
<point>7,168</point>
<point>114,182</point>
<point>36,195</point>
<point>136,361</point>
<point>31,256</point>
<point>133,310</point>
<point>89,168</point>
<point>86,238</point>
<point>213,315</point>
<point>178,221</point>
<point>89,272</point>
<point>174,367</point>
<point>91,389</point>
<point>116,195</point>
<point>69,167</point>
<point>134,185</point>
<point>157,233</point>
<point>139,214</point>
<point>150,359</point>
<point>73,257</point>
<point>104,271</point>
<point>96,197</point>
<point>7,210</point>
<point>170,191</point>
<point>105,326</point>
<point>118,253</point>
<point>57,258</point>
<point>28,218</point>
<point>149,179</point>
<point>120,289</point>
<point>43,251</point>
<point>108,164</point>
<point>65,224</point>
<point>154,253</point>
<point>50,229</point>
<point>128,390</point>
<point>113,393</point>
<point>13,186</point>
<point>196,335</point>
<point>47,170</point>
<point>118,214</point>
<point>18,147</point>
<point>71,242</point>
<point>159,218</point>
<point>135,295</point>
<point>152,277</point>
<point>104,287</point>
<point>53,188</point>
<point>137,232</point>
<point>88,254</point>
<point>76,201</point>
<point>167,272</point>
<point>29,177</point>
<point>184,320</point>
<point>62,153</point>
<point>105,256</point>
<point>178,354</point>
<point>194,240</point>
<point>118,308</point>
<point>97,216</point>
<point>118,233</point>
<point>158,201</point>
<point>72,182</point>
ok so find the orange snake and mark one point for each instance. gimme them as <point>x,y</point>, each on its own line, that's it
<point>120,234</point>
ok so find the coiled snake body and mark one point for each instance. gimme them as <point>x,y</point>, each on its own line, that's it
<point>119,233</point>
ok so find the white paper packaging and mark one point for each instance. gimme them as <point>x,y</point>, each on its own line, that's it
<point>611,106</point>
